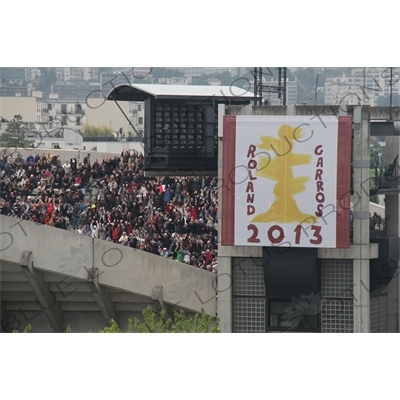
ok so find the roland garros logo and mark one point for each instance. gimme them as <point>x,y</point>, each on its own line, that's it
<point>279,169</point>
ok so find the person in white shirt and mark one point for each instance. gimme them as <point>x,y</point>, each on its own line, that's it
<point>67,167</point>
<point>95,230</point>
<point>124,238</point>
<point>20,173</point>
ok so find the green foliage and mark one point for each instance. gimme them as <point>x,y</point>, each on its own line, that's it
<point>161,323</point>
<point>47,78</point>
<point>377,155</point>
<point>131,325</point>
<point>152,324</point>
<point>27,329</point>
<point>178,323</point>
<point>114,328</point>
<point>15,135</point>
<point>96,131</point>
<point>374,199</point>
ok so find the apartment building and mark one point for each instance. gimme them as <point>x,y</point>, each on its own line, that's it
<point>175,81</point>
<point>77,90</point>
<point>271,97</point>
<point>52,112</point>
<point>65,74</point>
<point>364,86</point>
<point>190,71</point>
<point>198,71</point>
<point>110,79</point>
<point>12,74</point>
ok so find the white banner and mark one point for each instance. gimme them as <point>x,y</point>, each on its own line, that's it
<point>285,181</point>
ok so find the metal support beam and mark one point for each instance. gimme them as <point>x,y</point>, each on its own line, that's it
<point>282,85</point>
<point>129,121</point>
<point>44,296</point>
<point>102,298</point>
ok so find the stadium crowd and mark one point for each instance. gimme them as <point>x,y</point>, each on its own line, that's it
<point>110,199</point>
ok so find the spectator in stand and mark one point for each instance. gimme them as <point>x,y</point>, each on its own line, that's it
<point>30,160</point>
<point>124,238</point>
<point>175,214</point>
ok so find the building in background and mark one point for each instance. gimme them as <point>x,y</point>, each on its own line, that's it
<point>198,71</point>
<point>46,113</point>
<point>12,75</point>
<point>363,86</point>
<point>66,74</point>
<point>271,97</point>
<point>110,79</point>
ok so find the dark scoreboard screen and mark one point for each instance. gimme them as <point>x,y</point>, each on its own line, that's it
<point>181,136</point>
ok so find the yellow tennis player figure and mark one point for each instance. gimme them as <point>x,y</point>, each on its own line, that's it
<point>279,168</point>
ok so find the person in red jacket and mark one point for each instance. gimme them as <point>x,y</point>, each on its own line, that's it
<point>209,256</point>
<point>78,181</point>
<point>115,232</point>
<point>50,207</point>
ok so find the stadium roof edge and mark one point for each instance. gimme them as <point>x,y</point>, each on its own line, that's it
<point>142,92</point>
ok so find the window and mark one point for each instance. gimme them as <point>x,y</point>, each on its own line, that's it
<point>286,315</point>
<point>49,106</point>
<point>140,122</point>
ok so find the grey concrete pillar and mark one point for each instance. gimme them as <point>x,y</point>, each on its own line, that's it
<point>361,175</point>
<point>224,302</point>
<point>392,220</point>
<point>392,201</point>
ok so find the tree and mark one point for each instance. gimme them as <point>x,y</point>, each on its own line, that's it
<point>113,328</point>
<point>27,329</point>
<point>96,131</point>
<point>47,78</point>
<point>377,155</point>
<point>15,135</point>
<point>160,323</point>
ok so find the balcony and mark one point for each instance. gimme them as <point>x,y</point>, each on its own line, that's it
<point>71,112</point>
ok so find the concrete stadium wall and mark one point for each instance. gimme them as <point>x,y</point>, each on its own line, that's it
<point>66,154</point>
<point>70,254</point>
